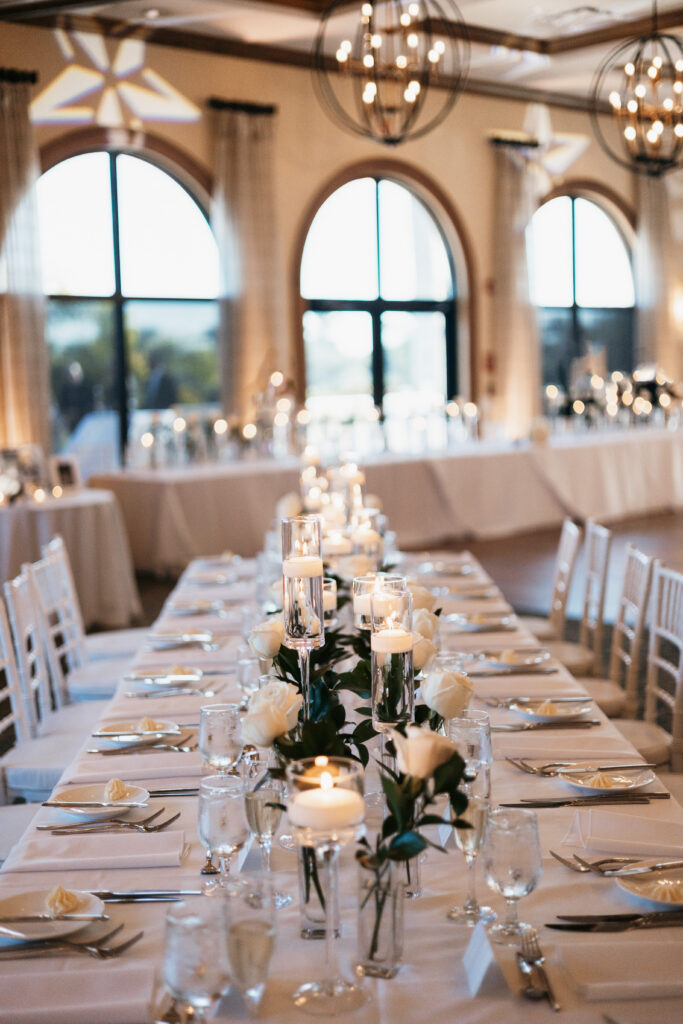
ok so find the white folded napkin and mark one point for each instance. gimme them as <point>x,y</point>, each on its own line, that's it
<point>104,850</point>
<point>84,992</point>
<point>553,745</point>
<point>135,767</point>
<point>605,971</point>
<point>609,832</point>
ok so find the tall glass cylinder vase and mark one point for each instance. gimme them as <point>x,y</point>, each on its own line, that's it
<point>391,644</point>
<point>313,897</point>
<point>303,607</point>
<point>369,585</point>
<point>380,920</point>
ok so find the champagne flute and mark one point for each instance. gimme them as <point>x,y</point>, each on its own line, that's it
<point>263,806</point>
<point>251,939</point>
<point>248,673</point>
<point>220,737</point>
<point>512,864</point>
<point>195,968</point>
<point>222,823</point>
<point>469,841</point>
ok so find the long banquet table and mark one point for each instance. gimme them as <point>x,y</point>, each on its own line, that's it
<point>644,967</point>
<point>484,489</point>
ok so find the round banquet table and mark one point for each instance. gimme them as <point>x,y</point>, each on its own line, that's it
<point>95,537</point>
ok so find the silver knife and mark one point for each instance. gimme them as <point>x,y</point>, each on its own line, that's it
<point>579,723</point>
<point>133,748</point>
<point>582,801</point>
<point>90,803</point>
<point>528,671</point>
<point>637,797</point>
<point>175,692</point>
<point>643,869</point>
<point>145,895</point>
<point>624,918</point>
<point>49,917</point>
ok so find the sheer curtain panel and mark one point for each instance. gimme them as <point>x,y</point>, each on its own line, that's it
<point>516,340</point>
<point>24,375</point>
<point>243,220</point>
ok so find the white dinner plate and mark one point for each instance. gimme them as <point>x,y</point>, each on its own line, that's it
<point>129,732</point>
<point>478,622</point>
<point>438,567</point>
<point>186,636</point>
<point>82,794</point>
<point>187,607</point>
<point>567,712</point>
<point>512,657</point>
<point>211,579</point>
<point>158,675</point>
<point>618,781</point>
<point>35,902</point>
<point>663,889</point>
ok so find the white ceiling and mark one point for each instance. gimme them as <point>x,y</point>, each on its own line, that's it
<point>291,28</point>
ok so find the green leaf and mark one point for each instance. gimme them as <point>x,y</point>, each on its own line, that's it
<point>448,776</point>
<point>406,846</point>
<point>364,732</point>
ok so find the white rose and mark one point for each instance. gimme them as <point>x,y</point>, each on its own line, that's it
<point>447,693</point>
<point>423,651</point>
<point>264,725</point>
<point>266,638</point>
<point>282,695</point>
<point>425,623</point>
<point>289,505</point>
<point>422,598</point>
<point>421,751</point>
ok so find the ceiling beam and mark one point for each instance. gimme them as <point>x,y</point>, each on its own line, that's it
<point>625,30</point>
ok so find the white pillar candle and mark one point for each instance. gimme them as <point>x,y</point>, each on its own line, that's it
<point>385,603</point>
<point>329,601</point>
<point>366,538</point>
<point>323,809</point>
<point>336,544</point>
<point>392,641</point>
<point>302,566</point>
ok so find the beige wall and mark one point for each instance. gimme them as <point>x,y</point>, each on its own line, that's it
<point>311,149</point>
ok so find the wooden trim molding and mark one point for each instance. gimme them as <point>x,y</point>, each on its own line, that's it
<point>407,174</point>
<point>588,188</point>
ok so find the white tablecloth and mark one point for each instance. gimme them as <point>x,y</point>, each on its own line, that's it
<point>432,982</point>
<point>95,536</point>
<point>484,490</point>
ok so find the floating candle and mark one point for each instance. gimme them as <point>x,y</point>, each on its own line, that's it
<point>326,807</point>
<point>302,566</point>
<point>392,641</point>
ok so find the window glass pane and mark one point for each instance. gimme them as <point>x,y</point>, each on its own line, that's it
<point>340,255</point>
<point>555,326</point>
<point>603,268</point>
<point>80,341</point>
<point>172,356</point>
<point>338,349</point>
<point>550,254</point>
<point>414,360</point>
<point>612,330</point>
<point>167,248</point>
<point>413,258</point>
<point>74,204</point>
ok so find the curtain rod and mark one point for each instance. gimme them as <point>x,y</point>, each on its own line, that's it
<point>15,75</point>
<point>244,108</point>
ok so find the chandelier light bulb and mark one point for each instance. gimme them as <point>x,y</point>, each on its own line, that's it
<point>640,91</point>
<point>632,106</point>
<point>630,134</point>
<point>414,10</point>
<point>629,69</point>
<point>401,61</point>
<point>376,41</point>
<point>440,46</point>
<point>369,60</point>
<point>405,20</point>
<point>366,10</point>
<point>615,99</point>
<point>657,61</point>
<point>341,55</point>
<point>668,103</point>
<point>652,71</point>
<point>433,57</point>
<point>412,40</point>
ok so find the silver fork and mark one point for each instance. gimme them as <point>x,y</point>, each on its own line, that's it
<point>107,826</point>
<point>98,950</point>
<point>80,825</point>
<point>599,866</point>
<point>532,954</point>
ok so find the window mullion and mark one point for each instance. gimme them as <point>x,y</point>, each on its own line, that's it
<point>120,359</point>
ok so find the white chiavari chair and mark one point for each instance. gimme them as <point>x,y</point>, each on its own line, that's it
<point>664,680</point>
<point>585,657</point>
<point>552,627</point>
<point>617,694</point>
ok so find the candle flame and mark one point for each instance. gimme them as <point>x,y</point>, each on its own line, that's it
<point>326,782</point>
<point>321,761</point>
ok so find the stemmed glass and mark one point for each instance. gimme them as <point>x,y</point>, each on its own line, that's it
<point>263,799</point>
<point>220,737</point>
<point>470,840</point>
<point>195,965</point>
<point>248,672</point>
<point>222,823</point>
<point>512,865</point>
<point>251,939</point>
<point>471,733</point>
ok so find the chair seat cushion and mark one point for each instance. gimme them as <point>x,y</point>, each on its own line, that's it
<point>115,643</point>
<point>539,626</point>
<point>14,820</point>
<point>74,719</point>
<point>97,681</point>
<point>609,696</point>
<point>651,741</point>
<point>575,657</point>
<point>33,769</point>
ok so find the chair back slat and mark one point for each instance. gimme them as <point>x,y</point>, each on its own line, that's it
<point>15,726</point>
<point>28,646</point>
<point>565,563</point>
<point>629,626</point>
<point>598,545</point>
<point>664,682</point>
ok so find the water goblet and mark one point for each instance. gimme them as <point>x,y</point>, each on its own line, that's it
<point>263,799</point>
<point>248,673</point>
<point>251,939</point>
<point>195,968</point>
<point>222,823</point>
<point>220,737</point>
<point>471,733</point>
<point>512,865</point>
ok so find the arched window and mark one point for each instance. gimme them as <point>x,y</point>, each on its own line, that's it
<point>131,273</point>
<point>379,321</point>
<point>582,284</point>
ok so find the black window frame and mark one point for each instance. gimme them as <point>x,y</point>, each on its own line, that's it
<point>376,307</point>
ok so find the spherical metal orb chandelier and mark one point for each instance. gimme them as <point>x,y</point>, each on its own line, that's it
<point>641,81</point>
<point>391,70</point>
